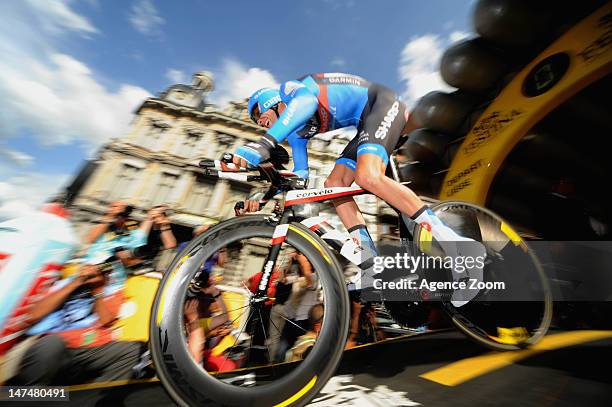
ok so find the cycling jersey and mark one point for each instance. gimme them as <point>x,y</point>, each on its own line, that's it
<point>318,103</point>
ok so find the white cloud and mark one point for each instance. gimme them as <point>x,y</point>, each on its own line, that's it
<point>145,18</point>
<point>176,76</point>
<point>337,4</point>
<point>60,101</point>
<point>238,82</point>
<point>56,15</point>
<point>53,95</point>
<point>26,192</point>
<point>338,62</point>
<point>419,66</point>
<point>14,157</point>
<point>458,35</point>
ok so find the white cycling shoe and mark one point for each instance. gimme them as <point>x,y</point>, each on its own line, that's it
<point>456,246</point>
<point>466,247</point>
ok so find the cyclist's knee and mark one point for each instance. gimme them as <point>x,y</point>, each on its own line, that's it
<point>332,181</point>
<point>368,178</point>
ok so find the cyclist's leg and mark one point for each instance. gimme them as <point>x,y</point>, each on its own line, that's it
<point>381,129</point>
<point>343,175</point>
<point>382,124</point>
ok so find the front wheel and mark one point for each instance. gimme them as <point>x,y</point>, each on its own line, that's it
<point>245,364</point>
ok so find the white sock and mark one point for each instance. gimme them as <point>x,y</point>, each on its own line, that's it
<point>359,233</point>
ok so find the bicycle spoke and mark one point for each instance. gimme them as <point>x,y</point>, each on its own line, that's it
<point>235,341</point>
<point>272,322</point>
<point>232,310</point>
<point>270,357</point>
<point>247,288</point>
<point>291,322</point>
<point>241,314</point>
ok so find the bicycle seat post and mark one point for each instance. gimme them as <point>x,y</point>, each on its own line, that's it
<point>393,168</point>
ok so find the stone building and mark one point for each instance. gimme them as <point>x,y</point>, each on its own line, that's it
<point>156,162</point>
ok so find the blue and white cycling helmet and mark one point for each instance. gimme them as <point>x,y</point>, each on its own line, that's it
<point>263,100</point>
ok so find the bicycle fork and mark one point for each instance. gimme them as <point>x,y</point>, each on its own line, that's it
<point>278,237</point>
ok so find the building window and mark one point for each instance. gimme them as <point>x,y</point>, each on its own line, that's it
<point>123,187</point>
<point>179,95</point>
<point>154,136</point>
<point>189,144</point>
<point>164,188</point>
<point>224,144</point>
<point>199,196</point>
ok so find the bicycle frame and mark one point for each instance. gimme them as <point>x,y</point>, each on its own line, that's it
<point>292,198</point>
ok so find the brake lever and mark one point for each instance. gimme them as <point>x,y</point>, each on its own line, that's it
<point>238,207</point>
<point>206,163</point>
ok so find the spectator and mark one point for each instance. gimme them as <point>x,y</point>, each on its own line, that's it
<point>201,229</point>
<point>303,296</point>
<point>303,345</point>
<point>207,323</point>
<point>76,315</point>
<point>116,219</point>
<point>160,236</point>
<point>196,232</point>
<point>363,327</point>
<point>79,344</point>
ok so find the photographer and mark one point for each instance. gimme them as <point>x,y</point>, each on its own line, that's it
<point>115,219</point>
<point>158,230</point>
<point>75,316</point>
<point>75,320</point>
<point>207,322</point>
<point>303,296</point>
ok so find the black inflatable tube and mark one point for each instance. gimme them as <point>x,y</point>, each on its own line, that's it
<point>423,179</point>
<point>426,146</point>
<point>511,23</point>
<point>472,66</point>
<point>443,112</point>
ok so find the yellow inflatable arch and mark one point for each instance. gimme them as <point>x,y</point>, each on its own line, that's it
<point>577,59</point>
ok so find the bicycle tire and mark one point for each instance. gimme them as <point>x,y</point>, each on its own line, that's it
<point>468,327</point>
<point>189,384</point>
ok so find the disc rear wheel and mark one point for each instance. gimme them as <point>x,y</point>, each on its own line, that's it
<point>514,307</point>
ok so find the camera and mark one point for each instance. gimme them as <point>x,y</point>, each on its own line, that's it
<point>167,212</point>
<point>127,211</point>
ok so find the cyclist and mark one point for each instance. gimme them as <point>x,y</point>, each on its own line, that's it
<point>317,103</point>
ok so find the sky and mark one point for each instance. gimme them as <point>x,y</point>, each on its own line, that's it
<point>72,72</point>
